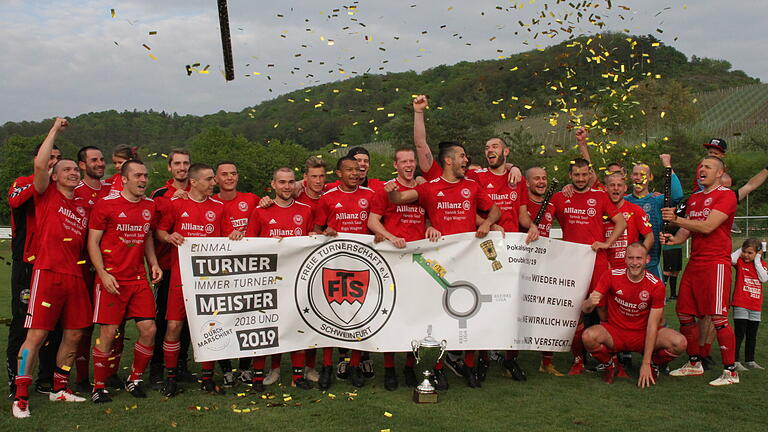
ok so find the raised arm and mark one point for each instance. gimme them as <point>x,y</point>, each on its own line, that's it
<point>42,176</point>
<point>581,141</point>
<point>755,182</point>
<point>423,152</point>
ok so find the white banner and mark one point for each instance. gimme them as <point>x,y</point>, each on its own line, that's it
<point>261,296</point>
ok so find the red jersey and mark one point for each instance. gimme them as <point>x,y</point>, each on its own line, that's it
<point>91,195</point>
<point>162,197</point>
<point>21,200</point>
<point>237,211</point>
<point>370,183</point>
<point>403,220</point>
<point>546,221</point>
<point>748,292</point>
<point>62,225</point>
<point>715,246</point>
<point>126,226</point>
<point>630,303</point>
<point>345,211</point>
<point>191,218</point>
<point>434,171</point>
<point>506,198</point>
<point>116,182</point>
<point>308,200</point>
<point>293,220</point>
<point>581,215</point>
<point>452,207</point>
<point>637,224</point>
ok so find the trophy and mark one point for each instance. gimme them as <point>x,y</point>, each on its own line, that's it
<point>490,252</point>
<point>428,352</point>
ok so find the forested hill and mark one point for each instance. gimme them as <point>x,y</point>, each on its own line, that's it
<point>469,97</point>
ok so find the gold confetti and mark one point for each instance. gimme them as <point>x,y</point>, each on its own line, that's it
<point>387,414</point>
<point>68,239</point>
<point>152,56</point>
<point>112,11</point>
<point>81,262</point>
<point>66,368</point>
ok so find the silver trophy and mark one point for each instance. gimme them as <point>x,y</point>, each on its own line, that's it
<point>428,351</point>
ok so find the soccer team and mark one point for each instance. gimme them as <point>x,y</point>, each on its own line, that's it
<point>85,251</point>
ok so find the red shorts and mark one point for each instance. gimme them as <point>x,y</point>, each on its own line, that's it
<point>58,297</point>
<point>136,300</point>
<point>601,266</point>
<point>625,340</point>
<point>704,289</point>
<point>175,310</point>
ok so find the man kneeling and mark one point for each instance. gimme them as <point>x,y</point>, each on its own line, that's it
<point>635,302</point>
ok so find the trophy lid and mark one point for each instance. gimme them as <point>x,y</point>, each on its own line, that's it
<point>428,340</point>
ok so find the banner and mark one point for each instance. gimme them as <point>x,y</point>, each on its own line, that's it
<point>260,296</point>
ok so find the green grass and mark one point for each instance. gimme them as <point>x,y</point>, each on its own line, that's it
<point>543,403</point>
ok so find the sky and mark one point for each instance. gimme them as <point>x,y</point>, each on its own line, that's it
<point>70,57</point>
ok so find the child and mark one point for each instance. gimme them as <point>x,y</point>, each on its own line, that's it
<point>748,299</point>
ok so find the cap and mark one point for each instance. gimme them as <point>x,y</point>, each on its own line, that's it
<point>354,151</point>
<point>717,143</point>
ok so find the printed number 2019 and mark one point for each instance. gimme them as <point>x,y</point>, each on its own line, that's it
<point>255,339</point>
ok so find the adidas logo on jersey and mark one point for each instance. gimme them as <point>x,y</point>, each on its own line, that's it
<point>440,193</point>
<point>272,222</point>
<point>490,186</point>
<point>185,214</point>
<point>122,215</point>
<point>338,205</point>
<point>619,292</point>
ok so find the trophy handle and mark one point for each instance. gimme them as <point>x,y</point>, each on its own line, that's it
<point>443,345</point>
<point>415,349</point>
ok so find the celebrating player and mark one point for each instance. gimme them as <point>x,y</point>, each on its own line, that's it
<point>581,218</point>
<point>704,285</point>
<point>91,162</point>
<point>635,301</point>
<point>198,216</point>
<point>119,239</point>
<point>314,181</point>
<point>637,222</point>
<point>58,291</point>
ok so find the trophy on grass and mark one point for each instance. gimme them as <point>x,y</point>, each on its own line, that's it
<point>428,351</point>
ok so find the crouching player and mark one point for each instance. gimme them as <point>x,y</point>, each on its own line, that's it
<point>635,301</point>
<point>119,228</point>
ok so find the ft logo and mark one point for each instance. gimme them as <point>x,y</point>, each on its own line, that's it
<point>345,290</point>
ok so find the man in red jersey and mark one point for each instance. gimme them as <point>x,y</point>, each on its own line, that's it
<point>581,218</point>
<point>91,162</point>
<point>177,186</point>
<point>197,216</point>
<point>286,217</point>
<point>58,292</point>
<point>705,285</point>
<point>452,203</point>
<point>398,224</point>
<point>314,182</point>
<point>119,239</point>
<point>363,158</point>
<point>637,221</point>
<point>344,209</point>
<point>22,203</point>
<point>635,301</point>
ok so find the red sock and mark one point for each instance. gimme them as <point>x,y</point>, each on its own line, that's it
<point>389,360</point>
<point>410,360</point>
<point>511,354</point>
<point>207,369</point>
<point>705,349</point>
<point>117,353</point>
<point>297,364</point>
<point>100,368</point>
<point>354,360</point>
<point>726,339</point>
<point>439,365</point>
<point>171,354</point>
<point>662,356</point>
<point>83,355</point>
<point>690,330</point>
<point>141,356</point>
<point>577,346</point>
<point>60,379</point>
<point>469,358</point>
<point>22,386</point>
<point>258,364</point>
<point>327,356</point>
<point>276,359</point>
<point>546,358</point>
<point>310,358</point>
<point>601,353</point>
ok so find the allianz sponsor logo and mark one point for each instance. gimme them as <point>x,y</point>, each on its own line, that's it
<point>133,228</point>
<point>443,205</point>
<point>186,226</point>
<point>70,215</point>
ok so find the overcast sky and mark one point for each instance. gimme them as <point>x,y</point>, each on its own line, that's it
<point>71,56</point>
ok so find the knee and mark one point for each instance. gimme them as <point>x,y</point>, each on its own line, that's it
<point>589,337</point>
<point>679,344</point>
<point>173,329</point>
<point>148,330</point>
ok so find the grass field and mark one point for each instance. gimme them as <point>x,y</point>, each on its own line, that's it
<point>543,403</point>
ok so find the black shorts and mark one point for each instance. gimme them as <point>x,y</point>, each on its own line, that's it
<point>673,259</point>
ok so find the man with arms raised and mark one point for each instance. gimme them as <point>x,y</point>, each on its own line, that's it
<point>451,202</point>
<point>286,217</point>
<point>705,285</point>
<point>398,224</point>
<point>119,239</point>
<point>344,209</point>
<point>635,301</point>
<point>581,218</point>
<point>198,216</point>
<point>58,291</point>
